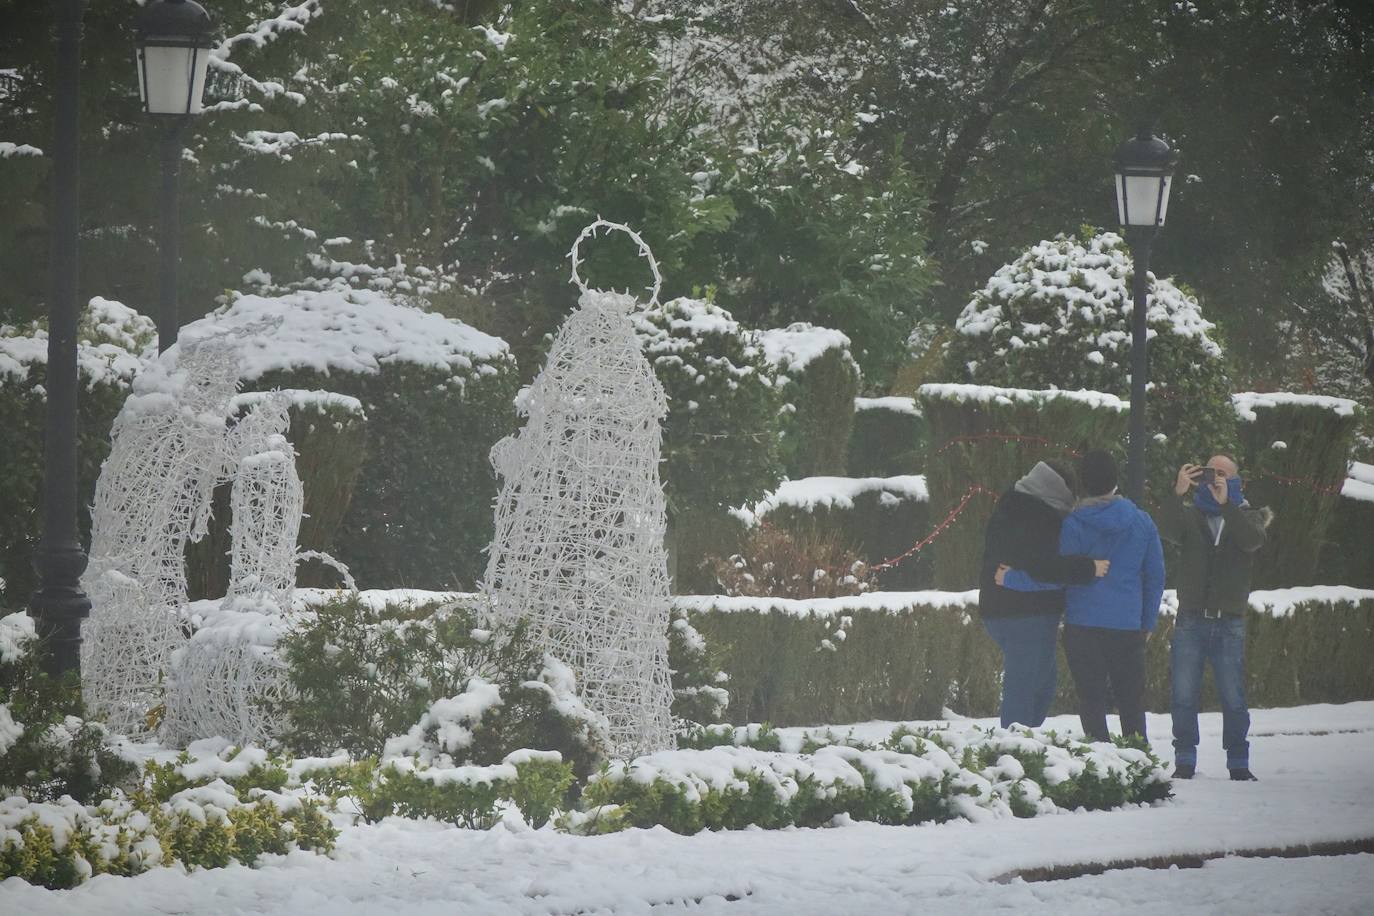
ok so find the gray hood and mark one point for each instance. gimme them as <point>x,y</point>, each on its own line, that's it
<point>1048,487</point>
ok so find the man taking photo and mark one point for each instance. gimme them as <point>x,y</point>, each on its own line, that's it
<point>1218,533</point>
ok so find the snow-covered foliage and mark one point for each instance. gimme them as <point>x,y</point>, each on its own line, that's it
<point>811,493</point>
<point>1246,403</point>
<point>113,342</point>
<point>817,379</point>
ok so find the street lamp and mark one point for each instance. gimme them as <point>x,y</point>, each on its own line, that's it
<point>173,50</point>
<point>1144,171</point>
<point>59,605</point>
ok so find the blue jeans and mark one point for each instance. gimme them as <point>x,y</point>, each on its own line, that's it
<point>1221,641</point>
<point>1029,673</point>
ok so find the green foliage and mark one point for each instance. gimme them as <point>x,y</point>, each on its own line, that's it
<point>818,407</point>
<point>932,775</point>
<point>1059,316</point>
<point>1294,461</point>
<point>421,509</point>
<point>57,752</point>
<point>720,438</point>
<point>988,438</point>
<point>699,686</point>
<point>904,663</point>
<point>886,441</point>
<point>804,559</point>
<point>360,676</point>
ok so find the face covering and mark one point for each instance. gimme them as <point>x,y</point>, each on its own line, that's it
<point>1205,501</point>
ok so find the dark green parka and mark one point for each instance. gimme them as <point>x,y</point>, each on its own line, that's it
<point>1214,577</point>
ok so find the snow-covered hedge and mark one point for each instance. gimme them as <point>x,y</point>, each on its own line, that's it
<point>1060,315</point>
<point>1295,452</point>
<point>898,656</point>
<point>914,777</point>
<point>437,395</point>
<point>1349,553</point>
<point>888,438</point>
<point>113,342</point>
<point>721,436</point>
<point>817,378</point>
<point>982,439</point>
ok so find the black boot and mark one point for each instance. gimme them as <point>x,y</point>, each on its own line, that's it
<point>1184,771</point>
<point>1243,774</point>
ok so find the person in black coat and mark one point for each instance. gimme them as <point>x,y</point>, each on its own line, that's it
<point>1023,533</point>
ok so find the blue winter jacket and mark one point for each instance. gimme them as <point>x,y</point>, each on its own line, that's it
<point>1128,597</point>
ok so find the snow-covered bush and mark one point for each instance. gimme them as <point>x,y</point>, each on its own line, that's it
<point>805,561</point>
<point>1294,454</point>
<point>876,518</point>
<point>914,777</point>
<point>888,438</point>
<point>720,439</point>
<point>700,688</point>
<point>437,395</point>
<point>47,750</point>
<point>113,343</point>
<point>436,684</point>
<point>1059,316</point>
<point>817,379</point>
<point>983,439</point>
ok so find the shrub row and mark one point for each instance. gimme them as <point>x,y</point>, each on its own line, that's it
<point>913,777</point>
<point>908,656</point>
<point>889,438</point>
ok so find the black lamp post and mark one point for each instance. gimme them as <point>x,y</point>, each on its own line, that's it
<point>173,50</point>
<point>1144,171</point>
<point>59,605</point>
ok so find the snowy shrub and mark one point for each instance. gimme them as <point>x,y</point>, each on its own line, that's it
<point>407,681</point>
<point>700,694</point>
<point>1294,454</point>
<point>983,439</point>
<point>879,518</point>
<point>437,395</point>
<point>817,380</point>
<point>47,750</point>
<point>804,561</point>
<point>1060,316</point>
<point>329,434</point>
<point>720,439</point>
<point>1348,555</point>
<point>915,777</point>
<point>113,342</point>
<point>888,438</point>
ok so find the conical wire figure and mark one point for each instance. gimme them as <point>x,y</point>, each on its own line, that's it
<point>579,544</point>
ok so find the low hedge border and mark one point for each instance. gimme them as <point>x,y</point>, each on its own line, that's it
<point>895,656</point>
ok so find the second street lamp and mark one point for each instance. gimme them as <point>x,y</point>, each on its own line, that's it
<point>173,50</point>
<point>1144,172</point>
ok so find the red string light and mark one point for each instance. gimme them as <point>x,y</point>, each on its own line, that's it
<point>1309,482</point>
<point>939,529</point>
<point>1006,437</point>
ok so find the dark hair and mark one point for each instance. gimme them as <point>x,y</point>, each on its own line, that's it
<point>1066,473</point>
<point>1097,471</point>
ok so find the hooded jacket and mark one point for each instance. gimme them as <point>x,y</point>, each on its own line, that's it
<point>1128,597</point>
<point>1023,533</point>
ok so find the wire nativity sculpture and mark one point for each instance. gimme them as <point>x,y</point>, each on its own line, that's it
<point>173,443</point>
<point>579,543</point>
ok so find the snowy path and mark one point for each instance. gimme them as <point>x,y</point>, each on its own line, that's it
<point>1317,780</point>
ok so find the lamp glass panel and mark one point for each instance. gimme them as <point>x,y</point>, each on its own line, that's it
<point>1164,201</point>
<point>1142,199</point>
<point>170,72</point>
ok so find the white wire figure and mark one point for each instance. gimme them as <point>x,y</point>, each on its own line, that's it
<point>153,496</point>
<point>579,542</point>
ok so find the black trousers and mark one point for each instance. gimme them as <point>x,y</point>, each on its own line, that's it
<point>1099,657</point>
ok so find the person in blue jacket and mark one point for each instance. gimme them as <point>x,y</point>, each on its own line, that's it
<point>1107,622</point>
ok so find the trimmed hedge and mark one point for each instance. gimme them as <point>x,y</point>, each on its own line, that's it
<point>1348,554</point>
<point>818,380</point>
<point>900,656</point>
<point>983,439</point>
<point>1296,450</point>
<point>889,438</point>
<point>721,435</point>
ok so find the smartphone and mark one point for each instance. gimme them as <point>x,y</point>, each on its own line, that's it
<point>1208,476</point>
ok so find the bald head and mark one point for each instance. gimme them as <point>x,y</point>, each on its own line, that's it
<point>1225,464</point>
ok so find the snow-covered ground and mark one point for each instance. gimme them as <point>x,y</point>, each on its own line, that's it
<point>1316,784</point>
